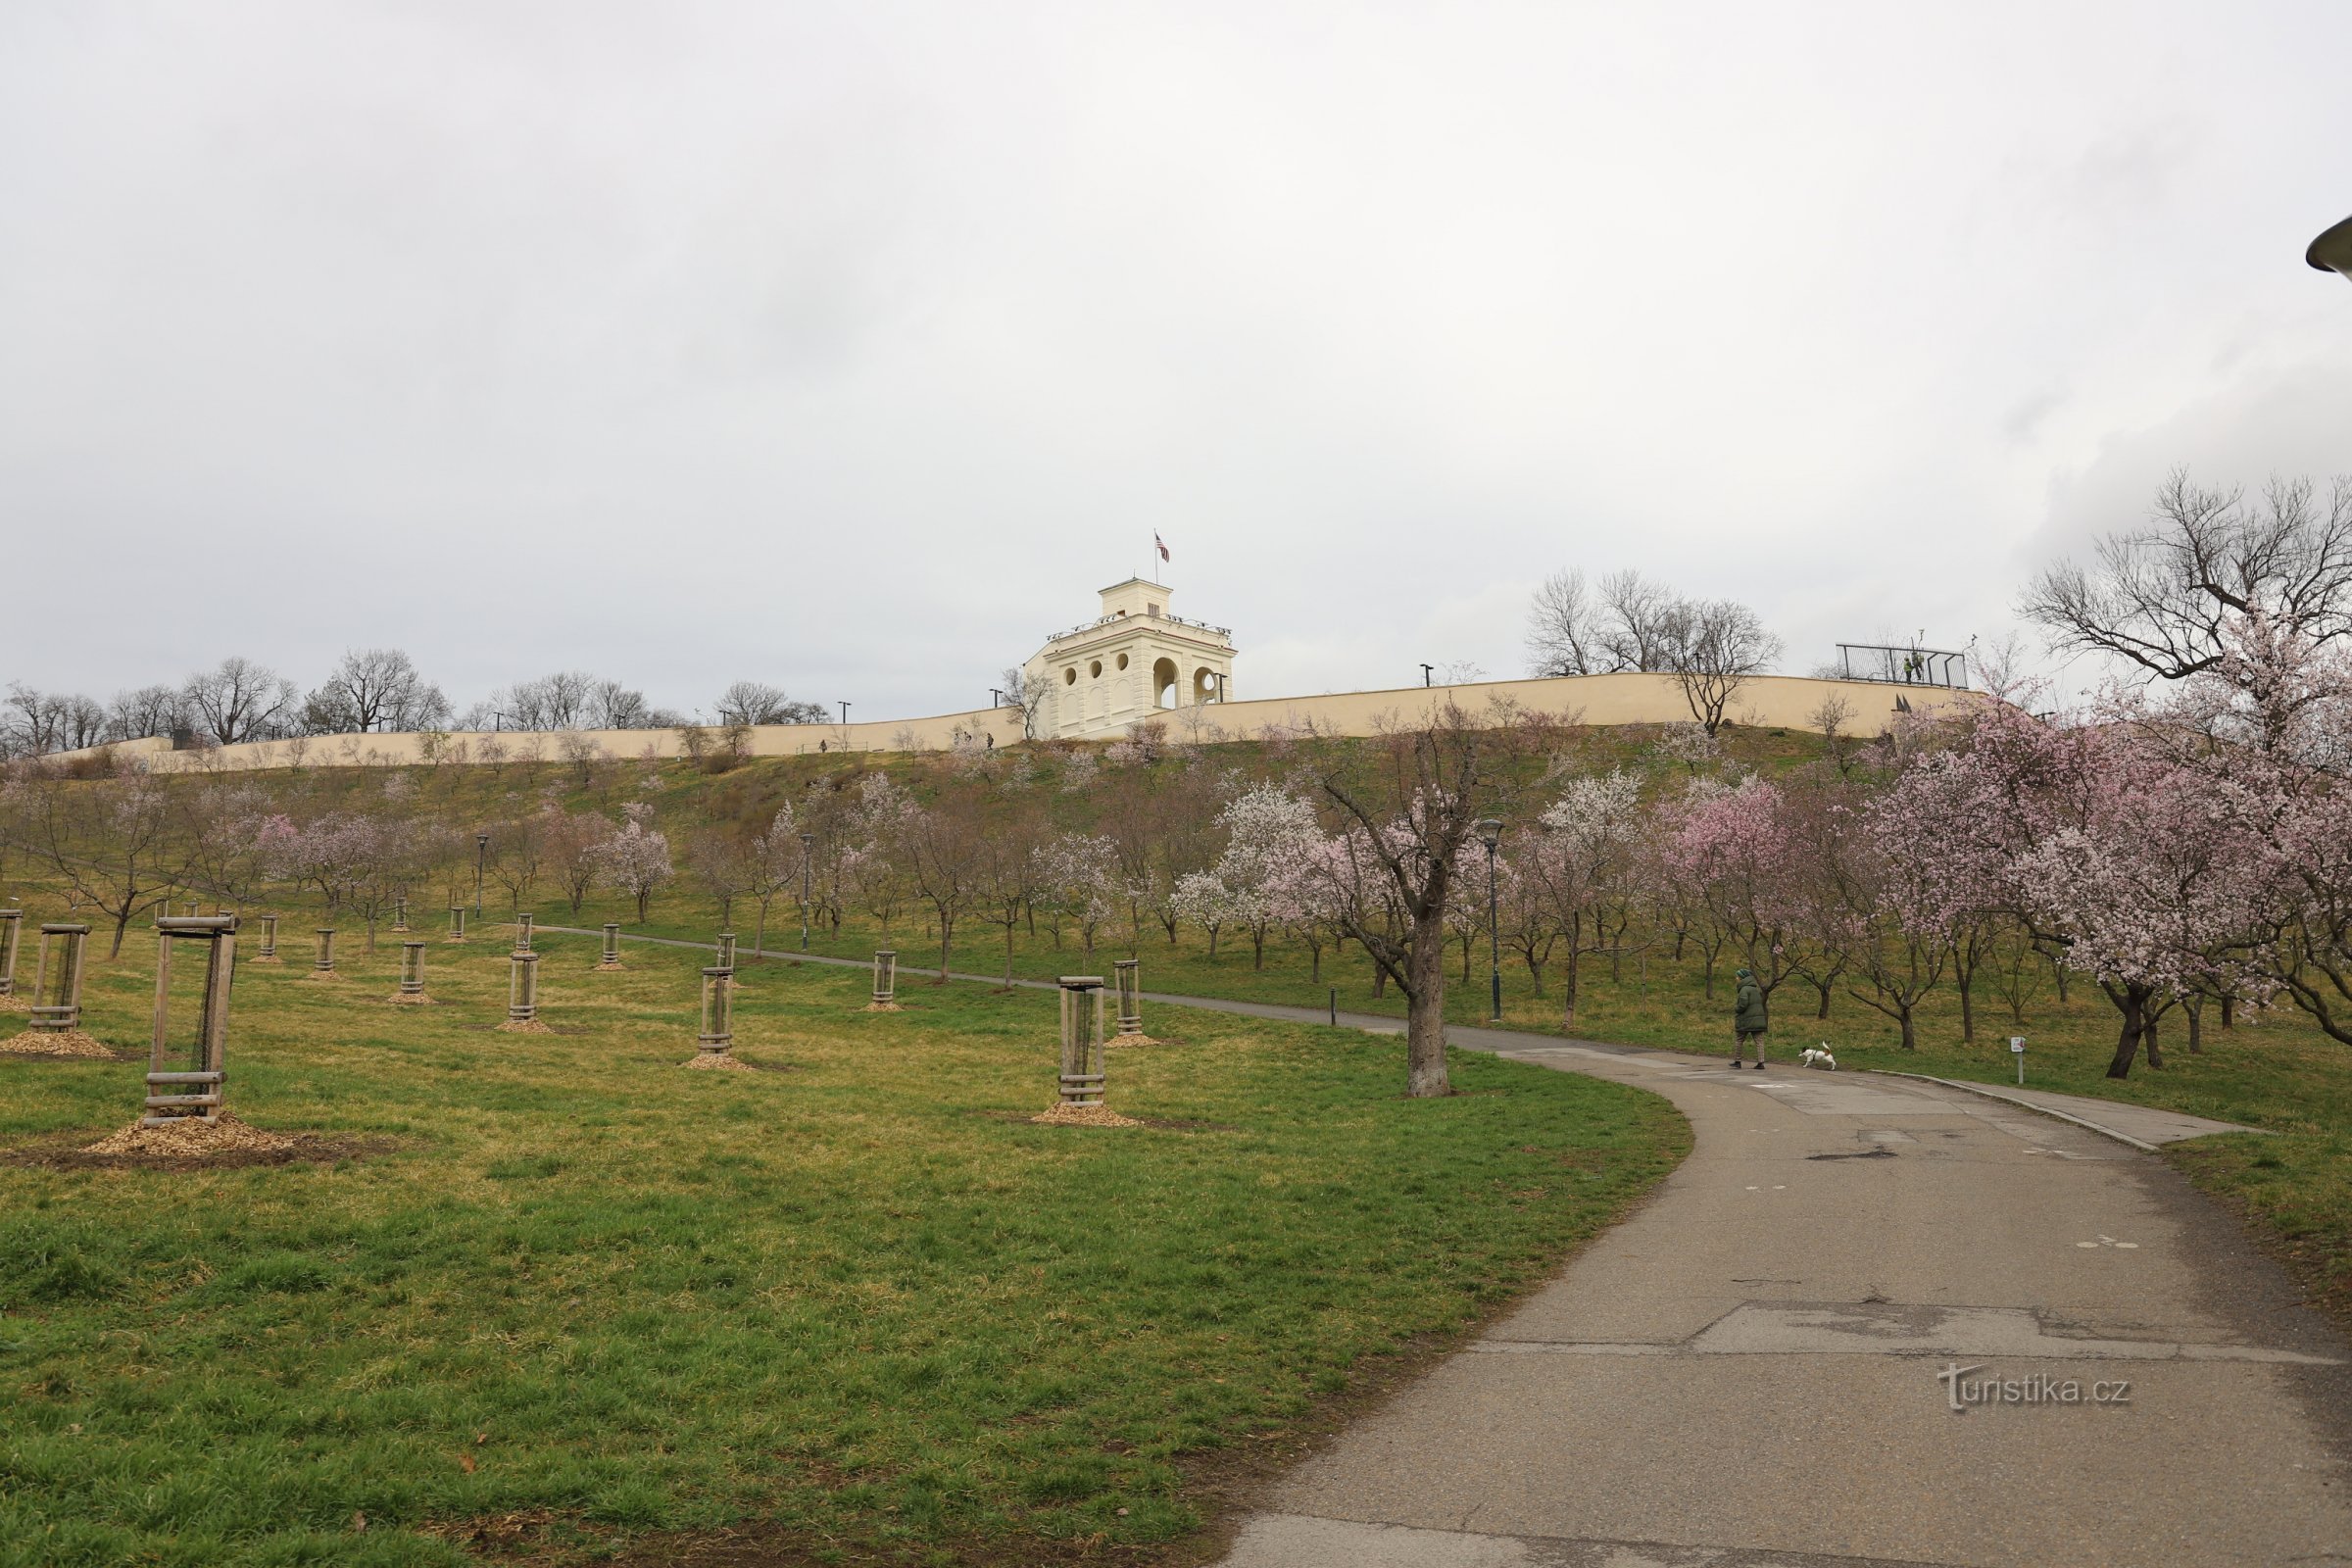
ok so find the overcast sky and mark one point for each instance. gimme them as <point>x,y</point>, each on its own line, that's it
<point>854,347</point>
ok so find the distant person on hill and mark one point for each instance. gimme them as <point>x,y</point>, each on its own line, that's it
<point>1749,1019</point>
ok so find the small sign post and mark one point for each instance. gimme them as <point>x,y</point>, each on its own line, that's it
<point>2017,1049</point>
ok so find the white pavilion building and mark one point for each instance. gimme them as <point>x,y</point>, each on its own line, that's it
<point>1135,662</point>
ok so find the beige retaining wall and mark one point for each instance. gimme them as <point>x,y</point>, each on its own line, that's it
<point>1780,702</point>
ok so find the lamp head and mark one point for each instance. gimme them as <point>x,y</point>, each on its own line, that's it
<point>808,838</point>
<point>1490,831</point>
<point>2331,252</point>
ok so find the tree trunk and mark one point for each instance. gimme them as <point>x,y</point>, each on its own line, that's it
<point>1568,985</point>
<point>2058,970</point>
<point>1967,1005</point>
<point>2196,1025</point>
<point>2126,1040</point>
<point>1008,928</point>
<point>2229,1011</point>
<point>1710,976</point>
<point>1315,964</point>
<point>759,931</point>
<point>1535,972</point>
<point>1425,1014</point>
<point>947,929</point>
<point>1823,986</point>
<point>1910,1039</point>
<point>121,924</point>
<point>1257,947</point>
<point>2149,1045</point>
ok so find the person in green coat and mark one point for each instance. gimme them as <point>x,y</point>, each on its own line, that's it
<point>1749,1019</point>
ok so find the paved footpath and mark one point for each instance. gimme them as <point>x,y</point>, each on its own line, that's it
<point>1746,1372</point>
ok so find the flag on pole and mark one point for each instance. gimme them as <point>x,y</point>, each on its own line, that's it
<point>1161,543</point>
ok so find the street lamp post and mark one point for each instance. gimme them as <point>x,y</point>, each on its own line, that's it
<point>807,850</point>
<point>1490,833</point>
<point>481,858</point>
<point>2331,252</point>
<point>1425,674</point>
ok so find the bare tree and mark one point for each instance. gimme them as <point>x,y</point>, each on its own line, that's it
<point>375,688</point>
<point>571,841</point>
<point>2163,595</point>
<point>1005,877</point>
<point>149,711</point>
<point>716,859</point>
<point>50,722</point>
<point>1564,627</point>
<point>942,847</point>
<point>522,851</point>
<point>612,706</point>
<point>240,700</point>
<point>1638,618</point>
<point>1019,695</point>
<point>751,702</point>
<point>1713,647</point>
<point>1834,717</point>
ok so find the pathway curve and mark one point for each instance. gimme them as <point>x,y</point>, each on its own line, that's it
<point>1746,1372</point>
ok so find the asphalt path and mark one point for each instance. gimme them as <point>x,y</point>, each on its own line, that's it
<point>1871,1319</point>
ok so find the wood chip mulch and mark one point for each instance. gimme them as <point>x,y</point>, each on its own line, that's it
<point>717,1061</point>
<point>883,1007</point>
<point>531,1027</point>
<point>191,1136</point>
<point>62,1043</point>
<point>1068,1115</point>
<point>421,999</point>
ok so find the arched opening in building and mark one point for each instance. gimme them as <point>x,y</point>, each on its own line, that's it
<point>1163,683</point>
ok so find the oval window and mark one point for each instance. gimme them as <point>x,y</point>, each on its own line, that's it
<point>1094,669</point>
<point>1122,661</point>
<point>1069,677</point>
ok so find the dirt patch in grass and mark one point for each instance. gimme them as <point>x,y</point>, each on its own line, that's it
<point>1157,1124</point>
<point>225,1143</point>
<point>421,999</point>
<point>717,1061</point>
<point>61,1042</point>
<point>1064,1114</point>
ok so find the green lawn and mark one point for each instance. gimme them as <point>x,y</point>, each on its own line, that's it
<point>2272,1070</point>
<point>595,1296</point>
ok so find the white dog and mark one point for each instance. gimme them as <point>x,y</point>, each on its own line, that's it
<point>1819,1058</point>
